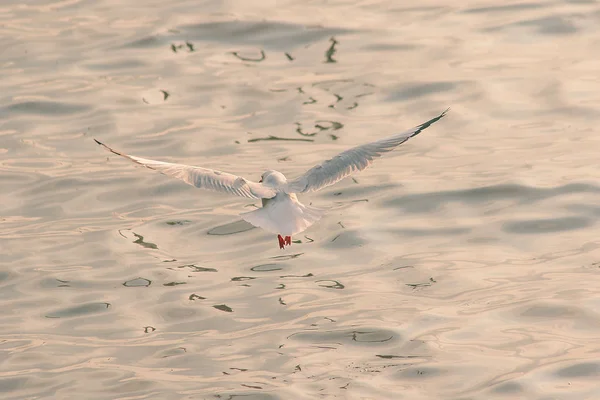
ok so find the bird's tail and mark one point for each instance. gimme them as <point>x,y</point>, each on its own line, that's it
<point>285,218</point>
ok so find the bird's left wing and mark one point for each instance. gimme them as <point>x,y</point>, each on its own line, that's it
<point>203,178</point>
<point>352,160</point>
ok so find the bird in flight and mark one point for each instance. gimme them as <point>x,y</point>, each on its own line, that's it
<point>281,212</point>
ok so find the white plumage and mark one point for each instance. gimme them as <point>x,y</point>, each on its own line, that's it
<point>282,213</point>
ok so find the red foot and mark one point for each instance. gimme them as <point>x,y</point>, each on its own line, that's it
<point>284,242</point>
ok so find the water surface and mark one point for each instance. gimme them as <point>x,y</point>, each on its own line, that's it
<point>465,265</point>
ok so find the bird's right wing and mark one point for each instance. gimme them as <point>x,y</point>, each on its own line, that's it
<point>203,178</point>
<point>352,160</point>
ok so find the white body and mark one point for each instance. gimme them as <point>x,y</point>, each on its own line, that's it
<point>281,212</point>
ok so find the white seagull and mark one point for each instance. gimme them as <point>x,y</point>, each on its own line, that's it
<point>281,212</point>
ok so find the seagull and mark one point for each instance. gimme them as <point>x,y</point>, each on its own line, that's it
<point>281,212</point>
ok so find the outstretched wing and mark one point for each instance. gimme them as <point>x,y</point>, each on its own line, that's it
<point>203,178</point>
<point>352,160</point>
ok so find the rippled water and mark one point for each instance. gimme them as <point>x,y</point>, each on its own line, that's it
<point>463,266</point>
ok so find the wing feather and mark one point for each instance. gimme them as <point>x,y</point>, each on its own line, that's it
<point>203,178</point>
<point>352,160</point>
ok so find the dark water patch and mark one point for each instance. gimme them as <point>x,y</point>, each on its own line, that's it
<point>504,8</point>
<point>509,388</point>
<point>174,283</point>
<point>4,276</point>
<point>82,310</point>
<point>223,307</point>
<point>194,297</point>
<point>427,202</point>
<point>149,329</point>
<point>138,282</point>
<point>547,225</point>
<point>58,189</point>
<point>413,91</point>
<point>230,228</point>
<point>44,108</point>
<point>590,210</point>
<point>580,370</point>
<point>13,385</point>
<point>116,65</point>
<point>548,311</point>
<point>382,47</point>
<point>552,26</point>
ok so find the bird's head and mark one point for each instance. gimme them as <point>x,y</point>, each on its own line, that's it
<point>272,178</point>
